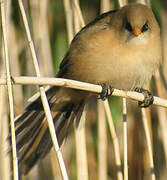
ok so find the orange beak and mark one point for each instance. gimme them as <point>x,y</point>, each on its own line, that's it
<point>136,31</point>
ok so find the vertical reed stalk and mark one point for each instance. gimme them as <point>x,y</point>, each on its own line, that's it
<point>149,145</point>
<point>125,140</point>
<point>115,141</point>
<point>10,94</point>
<point>102,143</point>
<point>43,95</point>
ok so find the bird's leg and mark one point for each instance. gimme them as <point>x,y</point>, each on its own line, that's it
<point>107,90</point>
<point>148,97</point>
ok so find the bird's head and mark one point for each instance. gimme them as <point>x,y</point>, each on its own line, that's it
<point>135,21</point>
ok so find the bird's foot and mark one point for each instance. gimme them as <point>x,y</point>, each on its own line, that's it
<point>106,91</point>
<point>148,97</point>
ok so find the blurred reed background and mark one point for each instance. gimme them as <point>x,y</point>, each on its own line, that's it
<point>89,152</point>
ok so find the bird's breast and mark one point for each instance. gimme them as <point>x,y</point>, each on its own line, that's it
<point>122,65</point>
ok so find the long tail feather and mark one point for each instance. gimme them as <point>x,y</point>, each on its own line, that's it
<point>29,131</point>
<point>32,132</point>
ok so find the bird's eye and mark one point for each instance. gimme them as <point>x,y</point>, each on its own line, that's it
<point>145,27</point>
<point>128,27</point>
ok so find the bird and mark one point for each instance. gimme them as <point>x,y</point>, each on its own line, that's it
<point>118,49</point>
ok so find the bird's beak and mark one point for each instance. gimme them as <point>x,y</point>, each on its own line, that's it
<point>136,32</point>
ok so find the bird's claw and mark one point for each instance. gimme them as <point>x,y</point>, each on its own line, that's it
<point>148,98</point>
<point>106,91</point>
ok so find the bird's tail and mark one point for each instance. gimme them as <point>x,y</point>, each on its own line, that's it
<point>32,132</point>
